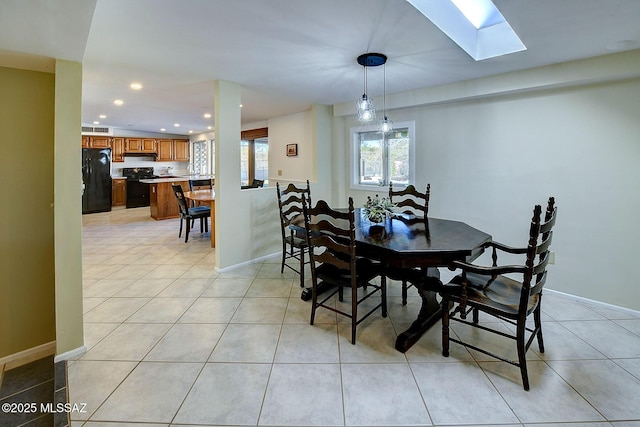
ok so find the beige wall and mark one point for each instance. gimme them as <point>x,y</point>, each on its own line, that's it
<point>68,212</point>
<point>27,281</point>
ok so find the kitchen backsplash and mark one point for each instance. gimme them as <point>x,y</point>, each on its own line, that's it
<point>159,168</point>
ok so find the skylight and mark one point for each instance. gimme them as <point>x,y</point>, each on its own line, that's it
<point>477,26</point>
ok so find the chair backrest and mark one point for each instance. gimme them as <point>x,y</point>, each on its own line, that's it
<point>200,184</point>
<point>182,201</point>
<point>331,237</point>
<point>540,237</point>
<point>290,203</point>
<point>411,201</point>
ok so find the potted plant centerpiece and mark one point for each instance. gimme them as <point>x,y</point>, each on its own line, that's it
<point>378,210</point>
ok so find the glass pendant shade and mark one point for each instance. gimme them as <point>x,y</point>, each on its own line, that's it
<point>366,112</point>
<point>385,125</point>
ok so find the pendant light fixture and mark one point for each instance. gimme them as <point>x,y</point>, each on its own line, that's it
<point>364,104</point>
<point>385,125</point>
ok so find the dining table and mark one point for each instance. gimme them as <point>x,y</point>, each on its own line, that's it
<point>410,242</point>
<point>207,196</point>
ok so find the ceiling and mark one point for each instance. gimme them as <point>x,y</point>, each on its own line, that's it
<point>286,54</point>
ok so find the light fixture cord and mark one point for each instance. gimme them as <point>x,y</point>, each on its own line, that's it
<point>384,91</point>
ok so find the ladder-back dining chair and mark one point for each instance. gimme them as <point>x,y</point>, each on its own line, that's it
<point>511,298</point>
<point>332,249</point>
<point>410,201</point>
<point>294,242</point>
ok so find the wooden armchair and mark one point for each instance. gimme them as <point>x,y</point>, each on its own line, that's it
<point>489,290</point>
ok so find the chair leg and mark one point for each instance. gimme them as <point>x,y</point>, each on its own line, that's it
<point>445,327</point>
<point>404,292</point>
<point>284,253</point>
<point>538,326</point>
<point>383,291</point>
<point>302,267</point>
<point>206,224</point>
<point>522,357</point>
<point>180,232</point>
<point>186,236</point>
<point>314,300</point>
<point>354,313</point>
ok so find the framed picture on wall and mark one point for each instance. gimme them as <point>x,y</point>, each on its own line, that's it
<point>292,150</point>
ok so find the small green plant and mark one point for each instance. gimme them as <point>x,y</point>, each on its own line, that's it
<point>377,209</point>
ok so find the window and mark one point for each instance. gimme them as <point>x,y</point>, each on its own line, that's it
<point>254,156</point>
<point>379,158</point>
<point>201,163</point>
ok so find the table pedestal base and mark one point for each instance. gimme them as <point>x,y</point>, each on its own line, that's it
<point>307,292</point>
<point>430,314</point>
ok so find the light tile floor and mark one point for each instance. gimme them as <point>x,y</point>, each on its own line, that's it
<point>172,342</point>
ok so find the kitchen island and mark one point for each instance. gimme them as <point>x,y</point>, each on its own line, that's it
<point>162,201</point>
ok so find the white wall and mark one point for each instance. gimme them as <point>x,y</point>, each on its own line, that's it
<point>490,160</point>
<point>291,129</point>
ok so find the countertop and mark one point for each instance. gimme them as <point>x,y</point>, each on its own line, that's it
<point>175,178</point>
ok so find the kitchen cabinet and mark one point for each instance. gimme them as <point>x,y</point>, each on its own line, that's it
<point>119,192</point>
<point>96,142</point>
<point>99,142</point>
<point>117,149</point>
<point>140,145</point>
<point>165,150</point>
<point>181,150</point>
<point>173,150</point>
<point>162,200</point>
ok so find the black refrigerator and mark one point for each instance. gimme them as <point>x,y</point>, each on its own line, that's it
<point>96,180</point>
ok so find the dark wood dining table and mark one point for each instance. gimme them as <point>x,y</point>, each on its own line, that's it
<point>412,242</point>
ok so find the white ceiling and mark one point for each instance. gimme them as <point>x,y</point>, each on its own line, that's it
<point>286,54</point>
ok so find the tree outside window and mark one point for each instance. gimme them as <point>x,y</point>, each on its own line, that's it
<point>382,158</point>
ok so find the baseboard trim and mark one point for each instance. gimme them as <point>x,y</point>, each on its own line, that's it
<point>71,354</point>
<point>27,356</point>
<point>595,302</point>
<point>252,261</point>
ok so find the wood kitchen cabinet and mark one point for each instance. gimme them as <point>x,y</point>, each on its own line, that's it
<point>96,142</point>
<point>165,150</point>
<point>140,145</point>
<point>162,200</point>
<point>119,192</point>
<point>181,150</point>
<point>117,149</point>
<point>173,150</point>
<point>100,142</point>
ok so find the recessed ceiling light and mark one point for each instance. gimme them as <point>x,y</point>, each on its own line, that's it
<point>135,86</point>
<point>162,129</point>
<point>240,105</point>
<point>209,127</point>
<point>177,125</point>
<point>102,116</point>
<point>118,102</point>
<point>190,131</point>
<point>96,122</point>
<point>207,115</point>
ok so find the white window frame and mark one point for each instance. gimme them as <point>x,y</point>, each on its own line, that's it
<point>355,155</point>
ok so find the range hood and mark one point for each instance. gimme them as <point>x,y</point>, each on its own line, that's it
<point>151,156</point>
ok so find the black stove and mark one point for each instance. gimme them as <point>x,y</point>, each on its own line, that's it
<point>137,192</point>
